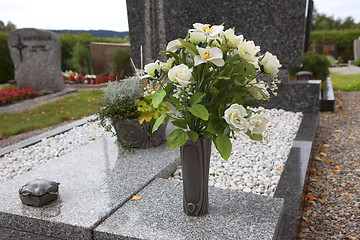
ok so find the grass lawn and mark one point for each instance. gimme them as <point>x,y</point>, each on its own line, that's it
<point>344,82</point>
<point>86,103</point>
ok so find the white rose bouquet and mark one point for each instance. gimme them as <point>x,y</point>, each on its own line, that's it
<point>212,80</point>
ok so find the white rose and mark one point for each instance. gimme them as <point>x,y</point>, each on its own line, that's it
<point>197,37</point>
<point>174,45</point>
<point>258,123</point>
<point>235,117</point>
<point>180,74</point>
<point>248,51</point>
<point>271,63</point>
<point>233,40</point>
<point>151,67</point>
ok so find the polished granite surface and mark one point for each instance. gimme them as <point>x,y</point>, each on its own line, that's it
<point>94,181</point>
<point>159,215</point>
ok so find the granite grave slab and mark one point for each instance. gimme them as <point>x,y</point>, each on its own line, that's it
<point>94,180</point>
<point>159,215</point>
<point>36,55</point>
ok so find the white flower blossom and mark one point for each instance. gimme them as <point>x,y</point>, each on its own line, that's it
<point>271,63</point>
<point>235,117</point>
<point>231,38</point>
<point>180,74</point>
<point>247,50</point>
<point>258,123</point>
<point>150,68</point>
<point>209,54</point>
<point>254,89</point>
<point>174,45</point>
<point>211,32</point>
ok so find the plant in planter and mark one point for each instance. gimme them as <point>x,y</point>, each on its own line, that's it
<point>212,79</point>
<point>127,106</point>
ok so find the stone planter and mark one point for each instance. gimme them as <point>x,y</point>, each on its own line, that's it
<point>195,160</point>
<point>131,134</point>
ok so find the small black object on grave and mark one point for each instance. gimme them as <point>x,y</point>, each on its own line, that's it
<point>39,192</point>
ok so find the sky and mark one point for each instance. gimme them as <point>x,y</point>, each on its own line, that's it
<point>112,14</point>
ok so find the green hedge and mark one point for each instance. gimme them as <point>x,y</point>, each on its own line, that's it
<point>68,42</point>
<point>344,39</point>
<point>6,64</point>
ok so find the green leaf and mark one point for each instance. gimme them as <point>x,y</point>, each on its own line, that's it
<point>189,46</point>
<point>176,103</point>
<point>214,91</point>
<point>158,97</point>
<point>196,98</point>
<point>158,122</point>
<point>255,137</point>
<point>181,123</point>
<point>177,138</point>
<point>223,145</point>
<point>174,55</point>
<point>199,111</point>
<point>193,135</point>
<point>237,99</point>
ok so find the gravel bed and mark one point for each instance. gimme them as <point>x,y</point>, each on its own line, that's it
<point>332,200</point>
<point>24,159</point>
<point>253,166</point>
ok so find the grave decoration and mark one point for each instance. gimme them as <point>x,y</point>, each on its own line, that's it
<point>39,192</point>
<point>212,81</point>
<point>127,104</point>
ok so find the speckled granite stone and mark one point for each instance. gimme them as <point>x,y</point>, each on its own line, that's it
<point>159,215</point>
<point>276,26</point>
<point>94,181</point>
<point>297,96</point>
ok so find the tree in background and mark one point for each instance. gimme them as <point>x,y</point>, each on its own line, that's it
<point>320,21</point>
<point>121,63</point>
<point>8,27</point>
<point>81,59</point>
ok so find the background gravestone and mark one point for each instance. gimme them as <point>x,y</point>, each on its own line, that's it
<point>275,26</point>
<point>37,59</point>
<point>357,49</point>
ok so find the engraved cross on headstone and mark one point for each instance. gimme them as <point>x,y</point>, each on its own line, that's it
<point>20,46</point>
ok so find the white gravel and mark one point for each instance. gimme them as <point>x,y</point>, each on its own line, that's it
<point>24,159</point>
<point>253,166</point>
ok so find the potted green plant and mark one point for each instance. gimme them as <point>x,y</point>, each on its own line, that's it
<point>212,80</point>
<point>127,108</point>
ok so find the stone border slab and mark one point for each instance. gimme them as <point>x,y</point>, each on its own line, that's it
<point>159,215</point>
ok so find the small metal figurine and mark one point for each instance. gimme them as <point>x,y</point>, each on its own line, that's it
<point>39,192</point>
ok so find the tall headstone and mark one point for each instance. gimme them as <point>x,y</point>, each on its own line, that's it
<point>357,49</point>
<point>37,59</point>
<point>276,26</point>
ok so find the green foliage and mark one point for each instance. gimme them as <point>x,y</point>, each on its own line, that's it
<point>72,107</point>
<point>128,89</point>
<point>321,21</point>
<point>68,42</point>
<point>345,82</point>
<point>316,63</point>
<point>8,27</point>
<point>120,65</point>
<point>6,66</point>
<point>344,40</point>
<point>357,63</point>
<point>81,59</point>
